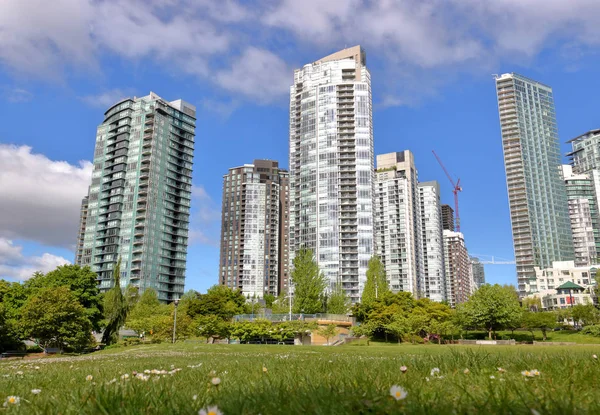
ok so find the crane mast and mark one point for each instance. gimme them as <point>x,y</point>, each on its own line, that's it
<point>455,189</point>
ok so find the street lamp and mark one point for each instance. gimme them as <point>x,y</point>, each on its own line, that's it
<point>176,302</point>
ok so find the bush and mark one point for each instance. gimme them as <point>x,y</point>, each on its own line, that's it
<point>592,330</point>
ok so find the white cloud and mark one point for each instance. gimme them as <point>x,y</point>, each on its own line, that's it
<point>222,108</point>
<point>105,99</point>
<point>15,94</point>
<point>13,264</point>
<point>41,198</point>
<point>205,222</point>
<point>257,74</point>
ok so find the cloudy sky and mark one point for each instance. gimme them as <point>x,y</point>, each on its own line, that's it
<point>63,62</point>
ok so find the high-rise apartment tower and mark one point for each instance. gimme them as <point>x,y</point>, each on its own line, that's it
<point>536,190</point>
<point>448,217</point>
<point>398,221</point>
<point>434,271</point>
<point>254,240</point>
<point>138,205</point>
<point>459,273</point>
<point>331,166</point>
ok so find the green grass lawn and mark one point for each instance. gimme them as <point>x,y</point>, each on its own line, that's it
<point>307,380</point>
<point>553,336</point>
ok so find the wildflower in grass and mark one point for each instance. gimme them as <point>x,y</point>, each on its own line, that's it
<point>527,374</point>
<point>501,370</point>
<point>12,400</point>
<point>37,368</point>
<point>194,397</point>
<point>535,372</point>
<point>594,356</point>
<point>492,377</point>
<point>125,376</point>
<point>398,392</point>
<point>211,410</point>
<point>20,373</point>
<point>36,391</point>
<point>466,371</point>
<point>212,373</point>
<point>403,369</point>
<point>434,372</point>
<point>215,381</point>
<point>264,369</point>
<point>89,378</point>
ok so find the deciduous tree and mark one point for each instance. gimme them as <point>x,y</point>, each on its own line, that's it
<point>54,317</point>
<point>338,302</point>
<point>376,285</point>
<point>328,332</point>
<point>309,283</point>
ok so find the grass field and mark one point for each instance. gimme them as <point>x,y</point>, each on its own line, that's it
<point>257,379</point>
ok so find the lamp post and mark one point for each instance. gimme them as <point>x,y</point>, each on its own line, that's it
<point>176,302</point>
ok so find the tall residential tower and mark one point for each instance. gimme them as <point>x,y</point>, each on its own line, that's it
<point>536,190</point>
<point>331,166</point>
<point>398,221</point>
<point>254,240</point>
<point>138,205</point>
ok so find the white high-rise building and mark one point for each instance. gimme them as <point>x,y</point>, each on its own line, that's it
<point>331,166</point>
<point>434,273</point>
<point>398,221</point>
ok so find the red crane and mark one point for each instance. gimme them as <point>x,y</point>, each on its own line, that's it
<point>455,189</point>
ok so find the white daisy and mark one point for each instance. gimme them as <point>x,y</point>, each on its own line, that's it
<point>211,410</point>
<point>398,392</point>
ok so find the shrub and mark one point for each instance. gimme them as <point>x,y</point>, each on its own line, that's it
<point>592,330</point>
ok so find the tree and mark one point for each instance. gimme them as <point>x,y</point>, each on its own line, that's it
<point>220,301</point>
<point>142,317</point>
<point>493,307</point>
<point>328,332</point>
<point>416,322</point>
<point>115,308</point>
<point>269,300</point>
<point>309,283</point>
<point>532,303</point>
<point>398,327</point>
<point>338,302</point>
<point>376,285</point>
<point>81,281</point>
<point>211,326</point>
<point>544,321</point>
<point>585,314</point>
<point>53,316</point>
<point>9,337</point>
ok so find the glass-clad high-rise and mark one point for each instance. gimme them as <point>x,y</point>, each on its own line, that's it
<point>536,189</point>
<point>138,205</point>
<point>331,166</point>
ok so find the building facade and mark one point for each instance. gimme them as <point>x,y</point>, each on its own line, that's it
<point>331,166</point>
<point>448,217</point>
<point>254,250</point>
<point>139,200</point>
<point>433,284</point>
<point>584,215</point>
<point>536,190</point>
<point>478,272</point>
<point>459,274</point>
<point>398,221</point>
<point>83,215</point>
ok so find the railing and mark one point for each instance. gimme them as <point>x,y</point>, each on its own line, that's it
<point>286,317</point>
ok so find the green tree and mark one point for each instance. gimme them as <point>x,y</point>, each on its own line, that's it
<point>142,317</point>
<point>309,283</point>
<point>53,316</point>
<point>211,326</point>
<point>585,314</point>
<point>544,321</point>
<point>9,336</point>
<point>220,301</point>
<point>269,300</point>
<point>81,281</point>
<point>398,327</point>
<point>328,332</point>
<point>493,307</point>
<point>338,302</point>
<point>376,285</point>
<point>115,308</point>
<point>417,322</point>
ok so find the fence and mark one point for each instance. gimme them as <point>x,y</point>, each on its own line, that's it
<point>277,318</point>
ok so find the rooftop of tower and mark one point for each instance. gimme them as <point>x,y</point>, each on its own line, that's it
<point>355,52</point>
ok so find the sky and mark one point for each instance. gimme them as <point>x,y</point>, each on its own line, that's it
<point>63,63</point>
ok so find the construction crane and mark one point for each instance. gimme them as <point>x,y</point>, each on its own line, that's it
<point>455,189</point>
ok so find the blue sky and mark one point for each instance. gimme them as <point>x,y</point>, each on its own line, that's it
<point>431,62</point>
